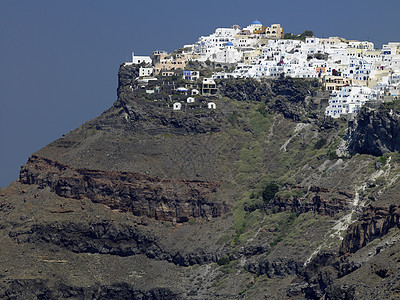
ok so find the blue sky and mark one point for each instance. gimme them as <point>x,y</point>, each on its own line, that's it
<point>59,59</point>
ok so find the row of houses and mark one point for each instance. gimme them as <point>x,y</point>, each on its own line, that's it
<point>260,51</point>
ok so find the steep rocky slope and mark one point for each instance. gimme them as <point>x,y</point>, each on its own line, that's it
<point>376,131</point>
<point>261,197</point>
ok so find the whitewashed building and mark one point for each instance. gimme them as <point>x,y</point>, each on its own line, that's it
<point>145,72</point>
<point>358,69</point>
<point>347,101</point>
<point>177,106</point>
<point>227,54</point>
<point>218,39</point>
<point>140,59</point>
<point>211,105</point>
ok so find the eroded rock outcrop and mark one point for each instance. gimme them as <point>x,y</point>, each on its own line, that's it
<point>50,289</point>
<point>127,74</point>
<point>143,195</point>
<point>374,223</point>
<point>375,132</point>
<point>277,268</point>
<point>318,200</point>
<point>314,279</point>
<point>107,237</point>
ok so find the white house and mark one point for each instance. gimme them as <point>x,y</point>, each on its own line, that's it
<point>358,69</point>
<point>141,59</point>
<point>347,101</point>
<point>211,105</point>
<point>255,25</point>
<point>312,46</point>
<point>177,106</point>
<point>217,39</point>
<point>191,75</point>
<point>227,54</point>
<point>190,100</point>
<point>145,72</point>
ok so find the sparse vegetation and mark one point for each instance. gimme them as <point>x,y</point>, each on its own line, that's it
<point>302,36</point>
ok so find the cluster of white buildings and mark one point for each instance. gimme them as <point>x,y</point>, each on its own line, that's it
<point>354,71</point>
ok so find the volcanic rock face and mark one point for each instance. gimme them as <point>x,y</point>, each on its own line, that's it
<point>37,288</point>
<point>375,132</point>
<point>374,223</point>
<point>275,269</point>
<point>318,200</point>
<point>162,199</point>
<point>127,74</point>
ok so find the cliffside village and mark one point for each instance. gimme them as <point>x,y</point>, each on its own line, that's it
<point>353,71</point>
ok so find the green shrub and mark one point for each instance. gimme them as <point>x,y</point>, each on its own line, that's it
<point>332,155</point>
<point>320,143</point>
<point>223,261</point>
<point>383,159</point>
<point>269,192</point>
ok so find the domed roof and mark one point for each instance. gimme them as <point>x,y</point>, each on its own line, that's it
<point>229,44</point>
<point>256,22</point>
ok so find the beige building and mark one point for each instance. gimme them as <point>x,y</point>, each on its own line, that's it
<point>333,40</point>
<point>209,87</point>
<point>373,54</point>
<point>158,55</point>
<point>249,56</point>
<point>275,31</point>
<point>332,83</point>
<point>170,63</point>
<point>377,75</point>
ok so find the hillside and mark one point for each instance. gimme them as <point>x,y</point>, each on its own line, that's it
<point>261,197</point>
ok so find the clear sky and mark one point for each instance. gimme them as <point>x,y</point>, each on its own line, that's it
<point>59,59</point>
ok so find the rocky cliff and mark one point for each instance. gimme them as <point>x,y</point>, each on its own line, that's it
<point>375,132</point>
<point>143,195</point>
<point>374,223</point>
<point>258,198</point>
<point>317,200</point>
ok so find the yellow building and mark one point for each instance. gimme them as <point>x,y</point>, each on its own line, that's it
<point>377,75</point>
<point>332,83</point>
<point>275,31</point>
<point>333,40</point>
<point>168,63</point>
<point>249,56</point>
<point>372,53</point>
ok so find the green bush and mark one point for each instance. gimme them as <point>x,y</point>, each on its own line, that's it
<point>223,261</point>
<point>269,192</point>
<point>383,159</point>
<point>320,143</point>
<point>332,155</point>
